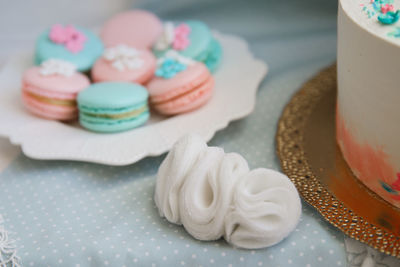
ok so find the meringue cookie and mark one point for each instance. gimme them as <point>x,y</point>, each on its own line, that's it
<point>214,194</point>
<point>173,172</point>
<point>266,208</point>
<point>207,193</point>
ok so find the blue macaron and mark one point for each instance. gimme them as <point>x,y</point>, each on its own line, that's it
<point>201,45</point>
<point>113,106</point>
<point>74,44</point>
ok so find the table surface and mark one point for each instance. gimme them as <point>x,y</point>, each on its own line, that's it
<point>64,213</point>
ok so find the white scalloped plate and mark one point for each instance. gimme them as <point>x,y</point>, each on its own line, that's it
<point>236,86</point>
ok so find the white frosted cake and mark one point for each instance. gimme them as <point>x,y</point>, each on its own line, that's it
<point>368,106</point>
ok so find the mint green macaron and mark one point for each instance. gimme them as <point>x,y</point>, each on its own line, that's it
<point>202,46</point>
<point>83,59</point>
<point>113,106</point>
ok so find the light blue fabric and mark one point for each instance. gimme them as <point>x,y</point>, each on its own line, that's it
<point>65,213</point>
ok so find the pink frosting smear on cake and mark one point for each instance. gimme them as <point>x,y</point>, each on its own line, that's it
<point>369,163</point>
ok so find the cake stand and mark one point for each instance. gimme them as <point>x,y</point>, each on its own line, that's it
<point>309,155</point>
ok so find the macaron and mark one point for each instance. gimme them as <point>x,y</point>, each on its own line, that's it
<point>113,106</point>
<point>191,39</point>
<point>50,90</point>
<point>180,85</point>
<point>136,28</point>
<point>74,44</point>
<point>124,63</point>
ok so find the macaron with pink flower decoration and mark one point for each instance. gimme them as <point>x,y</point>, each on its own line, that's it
<point>192,39</point>
<point>124,63</point>
<point>77,45</point>
<point>50,90</point>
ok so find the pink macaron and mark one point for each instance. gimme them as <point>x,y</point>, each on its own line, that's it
<point>180,86</point>
<point>126,64</point>
<point>50,90</point>
<point>137,28</point>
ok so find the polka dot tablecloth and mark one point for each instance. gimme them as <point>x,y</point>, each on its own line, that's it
<point>79,214</point>
<point>64,213</point>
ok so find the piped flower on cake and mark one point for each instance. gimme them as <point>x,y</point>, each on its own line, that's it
<point>389,17</point>
<point>393,189</point>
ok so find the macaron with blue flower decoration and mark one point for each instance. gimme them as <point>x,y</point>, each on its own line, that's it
<point>192,39</point>
<point>180,84</point>
<point>77,45</point>
<point>124,63</point>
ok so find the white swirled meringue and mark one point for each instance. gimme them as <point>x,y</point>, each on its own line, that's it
<point>266,207</point>
<point>207,193</point>
<point>57,67</point>
<point>214,194</point>
<point>172,173</point>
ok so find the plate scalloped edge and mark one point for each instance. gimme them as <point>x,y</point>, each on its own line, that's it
<point>235,91</point>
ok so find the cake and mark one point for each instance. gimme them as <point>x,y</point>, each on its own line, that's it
<point>368,106</point>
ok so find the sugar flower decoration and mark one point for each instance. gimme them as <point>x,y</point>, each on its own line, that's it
<point>123,57</point>
<point>69,36</point>
<point>389,17</point>
<point>386,8</point>
<point>171,64</point>
<point>176,38</point>
<point>181,40</point>
<point>57,67</point>
<point>166,38</point>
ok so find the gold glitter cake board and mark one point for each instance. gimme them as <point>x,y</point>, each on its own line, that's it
<point>309,155</point>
